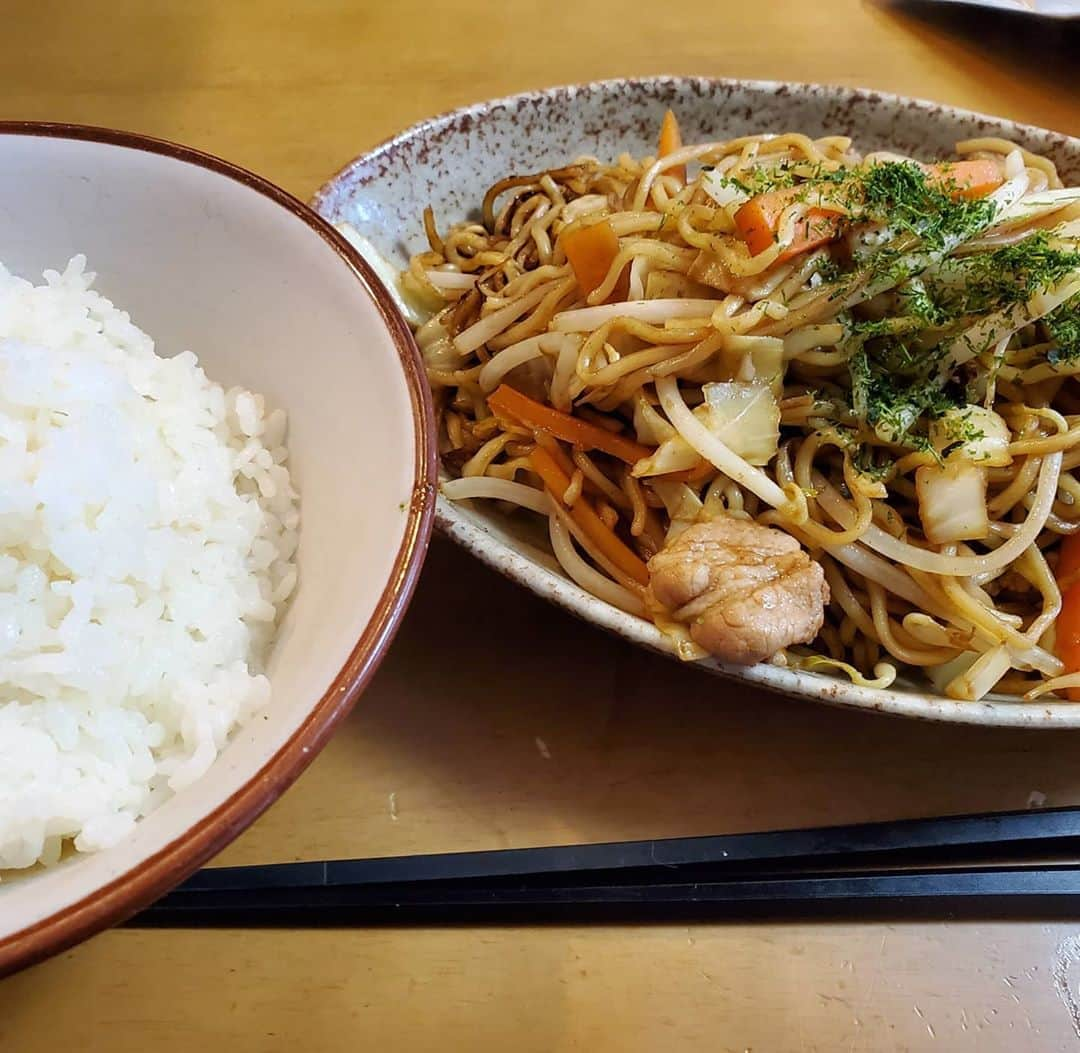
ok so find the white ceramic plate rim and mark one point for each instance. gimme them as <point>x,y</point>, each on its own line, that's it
<point>455,521</point>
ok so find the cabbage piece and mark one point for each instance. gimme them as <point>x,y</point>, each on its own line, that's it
<point>415,313</point>
<point>672,455</point>
<point>724,190</point>
<point>766,354</point>
<point>708,269</point>
<point>649,424</point>
<point>952,501</point>
<point>683,506</point>
<point>436,344</point>
<point>1032,206</point>
<point>745,417</point>
<point>981,676</point>
<point>671,285</point>
<point>972,433</point>
<point>943,675</point>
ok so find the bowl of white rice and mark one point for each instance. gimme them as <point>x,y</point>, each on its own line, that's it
<point>216,491</point>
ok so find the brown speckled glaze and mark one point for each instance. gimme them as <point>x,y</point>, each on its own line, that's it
<point>448,162</point>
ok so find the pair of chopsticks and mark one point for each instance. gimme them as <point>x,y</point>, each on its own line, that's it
<point>1005,863</point>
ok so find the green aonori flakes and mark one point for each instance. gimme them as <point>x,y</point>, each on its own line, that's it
<point>900,195</point>
<point>1063,327</point>
<point>1010,275</point>
<point>894,404</point>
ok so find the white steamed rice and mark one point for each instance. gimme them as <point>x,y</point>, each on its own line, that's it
<point>147,534</point>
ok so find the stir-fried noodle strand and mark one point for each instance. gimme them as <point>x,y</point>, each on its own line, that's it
<point>875,355</point>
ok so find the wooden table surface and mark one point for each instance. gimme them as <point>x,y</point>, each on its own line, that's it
<point>498,722</point>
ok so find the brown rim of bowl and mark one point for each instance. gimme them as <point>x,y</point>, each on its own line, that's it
<point>137,888</point>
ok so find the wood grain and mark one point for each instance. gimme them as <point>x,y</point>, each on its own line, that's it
<point>485,680</point>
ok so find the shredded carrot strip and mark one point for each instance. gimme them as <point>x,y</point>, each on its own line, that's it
<point>1068,564</point>
<point>591,251</point>
<point>966,178</point>
<point>511,405</point>
<point>606,540</point>
<point>557,453</point>
<point>670,141</point>
<point>758,220</point>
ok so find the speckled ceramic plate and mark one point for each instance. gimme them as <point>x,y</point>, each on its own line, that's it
<point>449,161</point>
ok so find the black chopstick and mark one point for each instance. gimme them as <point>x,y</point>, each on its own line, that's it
<point>776,872</point>
<point>950,837</point>
<point>1037,892</point>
